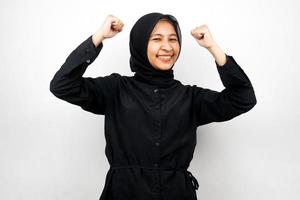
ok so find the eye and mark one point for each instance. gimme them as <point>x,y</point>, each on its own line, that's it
<point>156,39</point>
<point>173,39</point>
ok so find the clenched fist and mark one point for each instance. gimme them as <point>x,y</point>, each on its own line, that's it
<point>110,27</point>
<point>203,36</point>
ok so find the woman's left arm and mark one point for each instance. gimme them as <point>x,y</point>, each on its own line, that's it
<point>238,96</point>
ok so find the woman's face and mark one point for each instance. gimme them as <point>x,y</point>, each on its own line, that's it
<point>163,46</point>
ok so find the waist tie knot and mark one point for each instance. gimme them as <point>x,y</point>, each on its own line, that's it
<point>193,180</point>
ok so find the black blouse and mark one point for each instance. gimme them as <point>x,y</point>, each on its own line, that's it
<point>150,132</point>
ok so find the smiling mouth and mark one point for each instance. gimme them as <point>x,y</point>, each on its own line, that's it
<point>165,58</point>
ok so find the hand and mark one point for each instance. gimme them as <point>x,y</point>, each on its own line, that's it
<point>203,36</point>
<point>110,27</point>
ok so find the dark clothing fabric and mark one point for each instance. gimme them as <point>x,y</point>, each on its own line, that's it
<point>150,131</point>
<point>139,63</point>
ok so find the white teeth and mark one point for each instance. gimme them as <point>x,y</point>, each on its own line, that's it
<point>165,57</point>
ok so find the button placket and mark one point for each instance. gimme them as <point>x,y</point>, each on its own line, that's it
<point>158,122</point>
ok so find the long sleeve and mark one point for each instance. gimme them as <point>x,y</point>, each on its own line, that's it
<point>238,96</point>
<point>91,94</point>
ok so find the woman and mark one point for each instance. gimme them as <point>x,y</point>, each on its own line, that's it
<point>150,118</point>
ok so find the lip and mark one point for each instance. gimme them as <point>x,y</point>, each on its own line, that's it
<point>165,58</point>
<point>165,55</point>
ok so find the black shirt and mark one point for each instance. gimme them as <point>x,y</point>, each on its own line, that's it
<point>150,132</point>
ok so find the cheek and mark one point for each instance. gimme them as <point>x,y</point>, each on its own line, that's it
<point>153,48</point>
<point>152,51</point>
<point>176,48</point>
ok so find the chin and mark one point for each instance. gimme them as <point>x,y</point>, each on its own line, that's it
<point>163,67</point>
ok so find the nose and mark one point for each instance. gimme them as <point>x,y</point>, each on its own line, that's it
<point>166,46</point>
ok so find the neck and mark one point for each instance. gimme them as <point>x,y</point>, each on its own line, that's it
<point>160,81</point>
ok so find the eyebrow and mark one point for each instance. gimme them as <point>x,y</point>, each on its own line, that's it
<point>158,34</point>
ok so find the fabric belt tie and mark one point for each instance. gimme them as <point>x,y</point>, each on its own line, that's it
<point>193,180</point>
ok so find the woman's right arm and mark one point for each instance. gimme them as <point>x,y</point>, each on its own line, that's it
<point>92,94</point>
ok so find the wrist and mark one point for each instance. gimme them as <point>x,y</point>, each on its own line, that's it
<point>218,54</point>
<point>213,47</point>
<point>97,38</point>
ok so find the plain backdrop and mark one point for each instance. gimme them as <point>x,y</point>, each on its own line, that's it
<point>53,150</point>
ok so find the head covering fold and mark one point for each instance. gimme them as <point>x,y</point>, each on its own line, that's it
<point>138,43</point>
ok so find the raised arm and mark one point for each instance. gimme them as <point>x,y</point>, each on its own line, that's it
<point>238,96</point>
<point>91,94</point>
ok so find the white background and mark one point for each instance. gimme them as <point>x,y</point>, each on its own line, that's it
<point>53,150</point>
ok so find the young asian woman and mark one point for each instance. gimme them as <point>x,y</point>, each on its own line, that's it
<point>151,118</point>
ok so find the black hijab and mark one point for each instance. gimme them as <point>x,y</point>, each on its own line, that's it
<point>139,63</point>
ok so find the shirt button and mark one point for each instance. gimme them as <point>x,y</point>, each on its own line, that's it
<point>157,143</point>
<point>88,61</point>
<point>155,164</point>
<point>156,90</point>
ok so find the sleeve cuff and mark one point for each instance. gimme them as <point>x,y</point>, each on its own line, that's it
<point>232,69</point>
<point>91,46</point>
<point>88,51</point>
<point>96,49</point>
<point>226,63</point>
<point>229,66</point>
